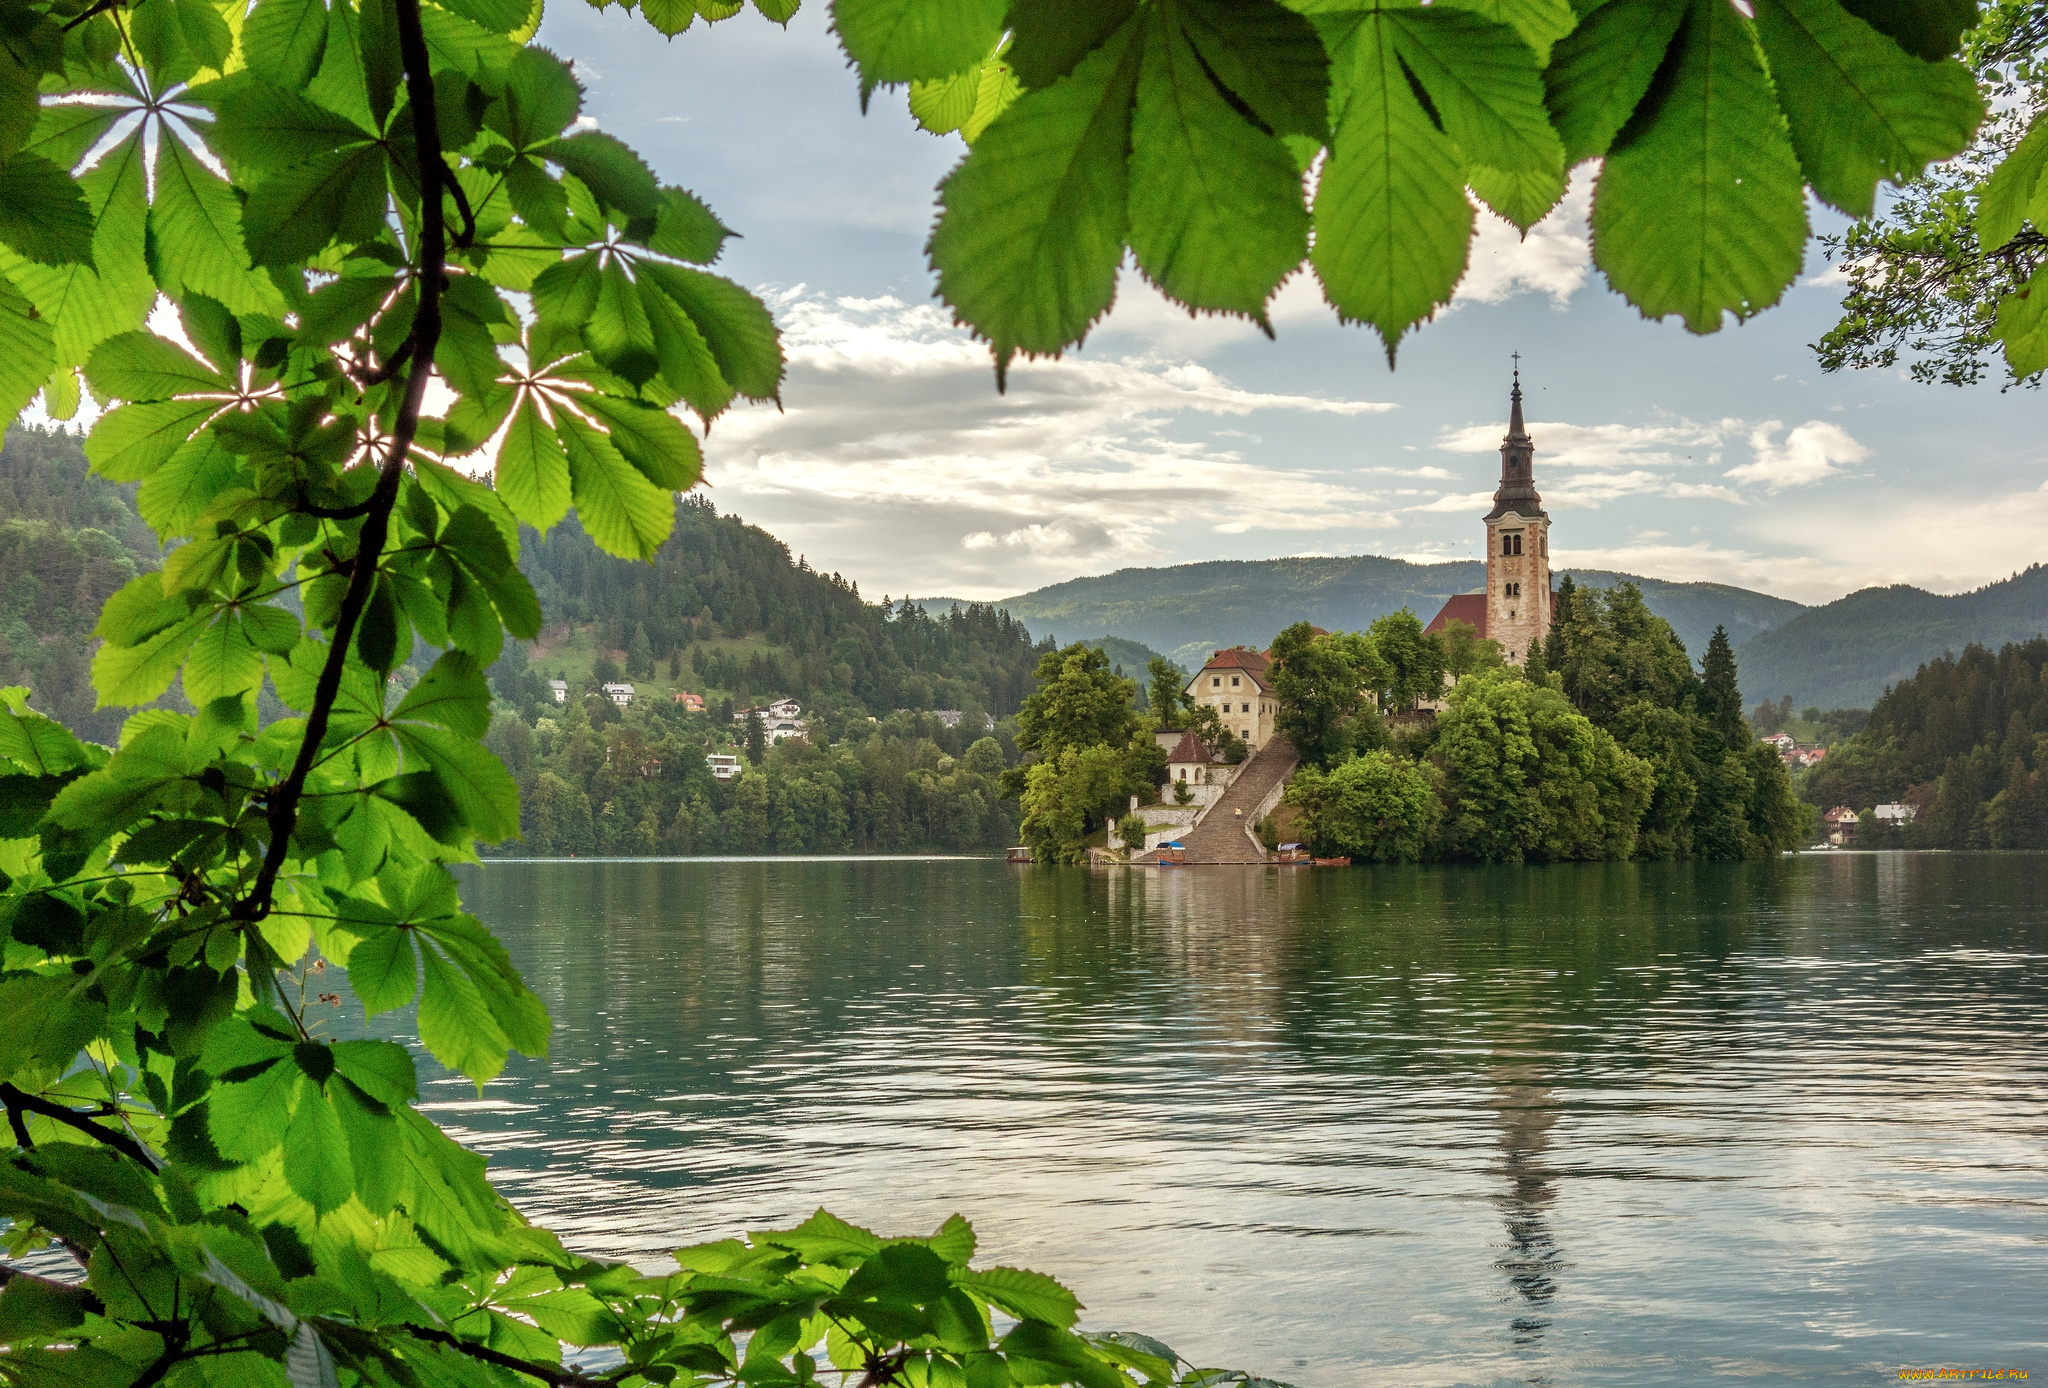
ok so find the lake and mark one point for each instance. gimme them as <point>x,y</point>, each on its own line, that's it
<point>1591,1124</point>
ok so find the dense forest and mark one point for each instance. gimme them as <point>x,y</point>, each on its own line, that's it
<point>1964,741</point>
<point>718,580</point>
<point>69,539</point>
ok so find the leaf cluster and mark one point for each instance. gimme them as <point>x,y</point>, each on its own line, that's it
<point>1222,147</point>
<point>257,235</point>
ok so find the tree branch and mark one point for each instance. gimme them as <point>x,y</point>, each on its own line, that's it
<point>19,1101</point>
<point>425,336</point>
<point>465,238</point>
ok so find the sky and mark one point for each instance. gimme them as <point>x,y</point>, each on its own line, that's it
<point>1167,439</point>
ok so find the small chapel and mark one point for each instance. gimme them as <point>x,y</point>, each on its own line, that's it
<point>1516,607</point>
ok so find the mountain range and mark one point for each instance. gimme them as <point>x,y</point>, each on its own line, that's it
<point>1837,655</point>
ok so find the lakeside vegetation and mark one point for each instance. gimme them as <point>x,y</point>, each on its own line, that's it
<point>1964,742</point>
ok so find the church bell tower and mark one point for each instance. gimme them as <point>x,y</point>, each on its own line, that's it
<point>1518,599</point>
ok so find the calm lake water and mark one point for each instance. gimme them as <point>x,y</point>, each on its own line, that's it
<point>1608,1124</point>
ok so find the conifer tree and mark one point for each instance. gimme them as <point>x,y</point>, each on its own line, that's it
<point>1720,696</point>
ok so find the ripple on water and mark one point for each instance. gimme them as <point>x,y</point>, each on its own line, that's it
<point>1605,1124</point>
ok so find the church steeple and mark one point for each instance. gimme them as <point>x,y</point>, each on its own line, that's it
<point>1517,492</point>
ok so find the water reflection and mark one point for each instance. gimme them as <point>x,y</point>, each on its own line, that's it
<point>1522,1098</point>
<point>1613,1123</point>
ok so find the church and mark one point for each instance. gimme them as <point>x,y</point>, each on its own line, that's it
<point>1516,607</point>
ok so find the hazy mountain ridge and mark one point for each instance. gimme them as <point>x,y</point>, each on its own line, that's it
<point>1188,610</point>
<point>1845,654</point>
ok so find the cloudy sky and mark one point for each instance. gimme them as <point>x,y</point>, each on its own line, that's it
<point>1168,439</point>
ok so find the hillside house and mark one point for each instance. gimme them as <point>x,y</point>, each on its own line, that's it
<point>951,718</point>
<point>560,689</point>
<point>1237,684</point>
<point>1896,815</point>
<point>620,694</point>
<point>723,767</point>
<point>1783,743</point>
<point>777,729</point>
<point>692,703</point>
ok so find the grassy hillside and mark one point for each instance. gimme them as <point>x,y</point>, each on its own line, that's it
<point>1190,609</point>
<point>1845,654</point>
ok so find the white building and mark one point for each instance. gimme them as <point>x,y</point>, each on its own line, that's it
<point>776,729</point>
<point>723,768</point>
<point>1896,815</point>
<point>560,689</point>
<point>620,694</point>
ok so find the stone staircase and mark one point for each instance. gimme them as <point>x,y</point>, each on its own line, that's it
<point>1221,836</point>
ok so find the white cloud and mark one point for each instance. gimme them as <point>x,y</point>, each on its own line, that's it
<point>1555,258</point>
<point>895,459</point>
<point>1582,466</point>
<point>1812,451</point>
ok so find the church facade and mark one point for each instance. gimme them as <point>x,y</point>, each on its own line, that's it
<point>1516,607</point>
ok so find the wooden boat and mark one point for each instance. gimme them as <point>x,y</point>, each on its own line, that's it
<point>1294,854</point>
<point>1333,862</point>
<point>1020,854</point>
<point>1173,855</point>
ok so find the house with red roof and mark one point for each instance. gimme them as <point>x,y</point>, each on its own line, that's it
<point>1237,683</point>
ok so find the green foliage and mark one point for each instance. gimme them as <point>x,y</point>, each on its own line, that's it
<point>1466,652</point>
<point>717,580</point>
<point>1178,132</point>
<point>1965,741</point>
<point>1078,703</point>
<point>1321,680</point>
<point>1167,688</point>
<point>1529,777</point>
<point>1951,270</point>
<point>350,201</point>
<point>1624,668</point>
<point>1411,665</point>
<point>1376,807</point>
<point>1130,831</point>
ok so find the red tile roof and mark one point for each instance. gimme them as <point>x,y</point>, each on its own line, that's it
<point>1253,663</point>
<point>1462,607</point>
<point>1190,750</point>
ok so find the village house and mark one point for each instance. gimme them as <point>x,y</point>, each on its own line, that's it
<point>1897,815</point>
<point>560,689</point>
<point>724,767</point>
<point>1190,764</point>
<point>620,694</point>
<point>692,703</point>
<point>951,718</point>
<point>1841,824</point>
<point>1237,685</point>
<point>779,729</point>
<point>1516,607</point>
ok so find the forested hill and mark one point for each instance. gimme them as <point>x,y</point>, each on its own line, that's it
<point>1964,740</point>
<point>68,540</point>
<point>1190,609</point>
<point>724,607</point>
<point>1844,654</point>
